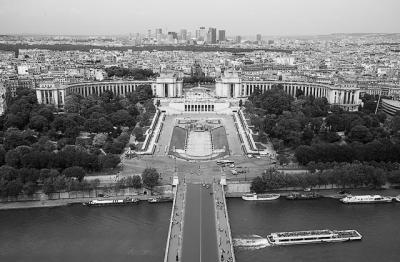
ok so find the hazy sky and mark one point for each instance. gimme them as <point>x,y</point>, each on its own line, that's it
<point>245,17</point>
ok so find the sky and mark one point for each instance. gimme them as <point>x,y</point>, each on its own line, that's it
<point>243,17</point>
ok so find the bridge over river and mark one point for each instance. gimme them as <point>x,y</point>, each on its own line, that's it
<point>199,227</point>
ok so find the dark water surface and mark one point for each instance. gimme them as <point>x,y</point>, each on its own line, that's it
<point>378,223</point>
<point>78,233</point>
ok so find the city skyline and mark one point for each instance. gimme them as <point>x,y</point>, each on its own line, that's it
<point>310,17</point>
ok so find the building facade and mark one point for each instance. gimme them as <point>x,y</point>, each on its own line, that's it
<point>345,95</point>
<point>390,107</point>
<point>229,86</point>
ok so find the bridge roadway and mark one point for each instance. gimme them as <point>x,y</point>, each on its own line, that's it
<point>199,235</point>
<point>199,228</point>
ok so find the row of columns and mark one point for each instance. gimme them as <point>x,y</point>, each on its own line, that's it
<point>199,108</point>
<point>117,89</point>
<point>51,96</point>
<point>344,97</point>
<point>248,89</point>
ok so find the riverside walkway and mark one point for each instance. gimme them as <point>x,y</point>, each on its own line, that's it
<point>224,237</point>
<point>199,226</point>
<point>173,249</point>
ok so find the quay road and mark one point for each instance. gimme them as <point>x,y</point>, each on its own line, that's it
<point>199,234</point>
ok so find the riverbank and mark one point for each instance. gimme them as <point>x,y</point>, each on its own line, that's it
<point>64,202</point>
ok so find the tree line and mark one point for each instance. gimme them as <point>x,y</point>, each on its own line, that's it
<point>342,175</point>
<point>198,79</point>
<point>319,132</point>
<point>135,73</point>
<point>43,148</point>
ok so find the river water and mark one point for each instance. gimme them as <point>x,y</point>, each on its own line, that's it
<point>139,232</point>
<point>378,223</point>
<point>78,233</point>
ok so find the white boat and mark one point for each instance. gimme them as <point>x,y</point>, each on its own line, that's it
<point>312,236</point>
<point>260,197</point>
<point>366,199</point>
<point>109,202</point>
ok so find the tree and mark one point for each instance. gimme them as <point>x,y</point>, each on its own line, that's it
<point>150,177</point>
<point>105,125</point>
<point>274,101</point>
<point>2,155</point>
<point>360,133</point>
<point>331,137</point>
<point>74,171</point>
<point>13,138</point>
<point>73,103</point>
<point>109,160</point>
<point>29,188</point>
<point>100,139</point>
<point>38,123</point>
<point>121,118</point>
<point>335,122</point>
<point>13,158</point>
<point>134,181</point>
<point>138,132</point>
<point>258,185</point>
<point>282,159</point>
<point>14,187</point>
<point>14,120</point>
<point>299,93</point>
<point>10,185</point>
<point>48,185</point>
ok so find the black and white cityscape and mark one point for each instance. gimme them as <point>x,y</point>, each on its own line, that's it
<point>209,131</point>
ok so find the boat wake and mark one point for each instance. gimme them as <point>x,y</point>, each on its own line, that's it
<point>251,242</point>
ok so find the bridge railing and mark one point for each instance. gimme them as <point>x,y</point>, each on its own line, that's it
<point>228,224</point>
<point>170,225</point>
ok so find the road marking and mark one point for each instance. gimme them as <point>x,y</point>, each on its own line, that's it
<point>200,222</point>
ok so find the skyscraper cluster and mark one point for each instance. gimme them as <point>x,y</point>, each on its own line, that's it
<point>202,34</point>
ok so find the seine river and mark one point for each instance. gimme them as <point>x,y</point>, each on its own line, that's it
<point>139,232</point>
<point>79,233</point>
<point>379,224</point>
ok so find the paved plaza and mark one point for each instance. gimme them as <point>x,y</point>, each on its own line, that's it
<point>199,143</point>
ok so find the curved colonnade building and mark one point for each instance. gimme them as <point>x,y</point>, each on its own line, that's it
<point>229,87</point>
<point>390,107</point>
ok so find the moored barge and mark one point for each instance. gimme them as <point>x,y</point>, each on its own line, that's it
<point>303,196</point>
<point>260,197</point>
<point>160,199</point>
<point>112,202</point>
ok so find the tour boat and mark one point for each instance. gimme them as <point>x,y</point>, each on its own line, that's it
<point>160,199</point>
<point>109,202</point>
<point>312,236</point>
<point>365,199</point>
<point>302,196</point>
<point>260,197</point>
